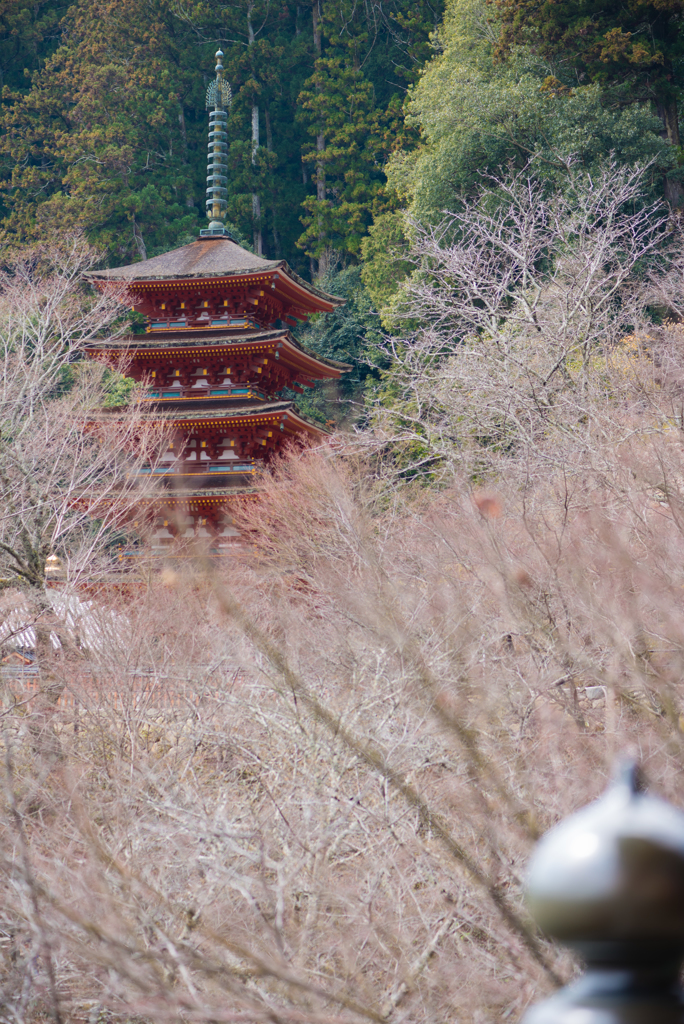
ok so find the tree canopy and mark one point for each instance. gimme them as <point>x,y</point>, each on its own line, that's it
<point>352,124</point>
<point>634,53</point>
<point>106,130</point>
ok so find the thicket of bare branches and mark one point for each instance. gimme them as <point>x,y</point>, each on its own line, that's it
<point>528,323</point>
<point>64,482</point>
<point>303,785</point>
<point>68,483</point>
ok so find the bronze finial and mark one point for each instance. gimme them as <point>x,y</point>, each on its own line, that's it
<point>219,97</point>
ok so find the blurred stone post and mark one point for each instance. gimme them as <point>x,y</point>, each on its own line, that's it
<point>609,883</point>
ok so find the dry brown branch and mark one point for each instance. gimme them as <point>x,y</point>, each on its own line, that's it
<point>527,325</point>
<point>68,475</point>
<point>303,785</point>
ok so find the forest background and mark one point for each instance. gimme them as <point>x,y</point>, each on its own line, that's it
<point>350,122</point>
<point>306,787</point>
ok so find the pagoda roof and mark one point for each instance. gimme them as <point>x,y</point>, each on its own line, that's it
<point>226,411</point>
<point>213,415</point>
<point>210,259</point>
<point>150,345</point>
<point>262,411</point>
<point>184,339</point>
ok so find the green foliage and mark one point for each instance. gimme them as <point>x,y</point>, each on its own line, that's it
<point>349,335</point>
<point>633,53</point>
<point>384,255</point>
<point>384,118</point>
<point>389,40</point>
<point>357,137</point>
<point>108,131</point>
<point>116,388</point>
<point>351,108</point>
<point>639,44</point>
<point>28,34</point>
<point>98,141</point>
<point>268,73</point>
<point>476,115</point>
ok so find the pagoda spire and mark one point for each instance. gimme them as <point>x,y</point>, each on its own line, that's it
<point>219,98</point>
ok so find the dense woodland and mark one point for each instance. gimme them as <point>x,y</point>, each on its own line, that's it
<point>104,118</point>
<point>351,123</point>
<point>302,783</point>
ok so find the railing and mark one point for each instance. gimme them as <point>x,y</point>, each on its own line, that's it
<point>203,323</point>
<point>199,469</point>
<point>199,394</point>
<point>609,883</point>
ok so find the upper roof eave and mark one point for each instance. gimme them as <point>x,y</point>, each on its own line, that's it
<point>205,339</point>
<point>335,300</point>
<point>205,259</point>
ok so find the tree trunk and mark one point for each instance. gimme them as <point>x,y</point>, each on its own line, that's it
<point>43,738</point>
<point>139,240</point>
<point>189,199</point>
<point>269,132</point>
<point>269,145</point>
<point>256,202</point>
<point>184,134</point>
<point>317,11</point>
<point>667,111</point>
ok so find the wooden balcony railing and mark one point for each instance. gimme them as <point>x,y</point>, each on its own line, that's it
<point>184,468</point>
<point>244,392</point>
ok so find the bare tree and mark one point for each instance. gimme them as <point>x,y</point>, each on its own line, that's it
<point>523,312</point>
<point>302,785</point>
<point>68,476</point>
<point>338,833</point>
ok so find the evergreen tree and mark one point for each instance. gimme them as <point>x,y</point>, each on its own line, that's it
<point>101,139</point>
<point>634,52</point>
<point>350,334</point>
<point>266,188</point>
<point>28,34</point>
<point>476,114</point>
<point>351,107</point>
<point>357,137</point>
<point>108,130</point>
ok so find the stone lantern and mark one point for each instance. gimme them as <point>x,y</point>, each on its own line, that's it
<point>54,569</point>
<point>609,883</point>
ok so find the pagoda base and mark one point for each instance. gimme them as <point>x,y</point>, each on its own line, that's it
<point>183,519</point>
<point>219,232</point>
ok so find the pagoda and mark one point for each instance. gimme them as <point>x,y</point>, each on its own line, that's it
<point>216,354</point>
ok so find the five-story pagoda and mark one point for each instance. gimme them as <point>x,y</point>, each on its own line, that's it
<point>216,353</point>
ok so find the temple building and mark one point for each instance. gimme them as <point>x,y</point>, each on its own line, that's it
<point>216,353</point>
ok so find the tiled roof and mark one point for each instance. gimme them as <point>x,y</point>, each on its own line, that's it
<point>218,411</point>
<point>202,339</point>
<point>206,258</point>
<point>184,339</point>
<point>214,410</point>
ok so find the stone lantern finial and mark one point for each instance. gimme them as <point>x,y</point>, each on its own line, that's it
<point>609,883</point>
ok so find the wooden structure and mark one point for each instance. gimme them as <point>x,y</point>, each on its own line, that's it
<point>214,362</point>
<point>216,354</point>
